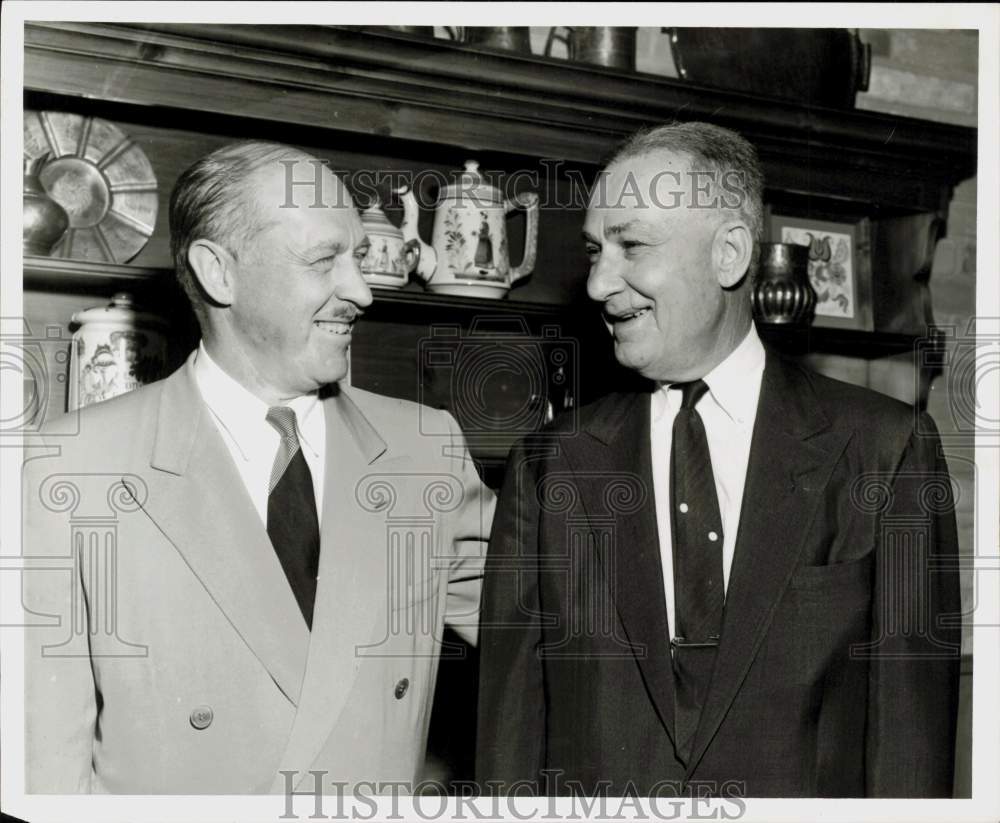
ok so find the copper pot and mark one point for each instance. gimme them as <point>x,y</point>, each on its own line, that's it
<point>782,292</point>
<point>422,31</point>
<point>509,38</point>
<point>611,46</point>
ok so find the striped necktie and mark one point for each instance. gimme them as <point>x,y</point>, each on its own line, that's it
<point>292,523</point>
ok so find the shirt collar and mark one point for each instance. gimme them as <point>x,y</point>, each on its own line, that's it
<point>308,417</point>
<point>243,414</point>
<point>733,384</point>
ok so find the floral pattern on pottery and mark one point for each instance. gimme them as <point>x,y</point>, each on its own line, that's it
<point>115,350</point>
<point>472,242</point>
<point>390,258</point>
<point>468,254</point>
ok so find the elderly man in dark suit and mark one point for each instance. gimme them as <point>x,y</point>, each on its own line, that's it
<point>731,583</point>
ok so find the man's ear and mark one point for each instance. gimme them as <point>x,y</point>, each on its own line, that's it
<point>733,250</point>
<point>212,266</point>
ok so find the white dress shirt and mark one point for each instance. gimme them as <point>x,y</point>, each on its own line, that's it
<point>728,410</point>
<point>241,418</point>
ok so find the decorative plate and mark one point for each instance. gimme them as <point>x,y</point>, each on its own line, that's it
<point>103,180</point>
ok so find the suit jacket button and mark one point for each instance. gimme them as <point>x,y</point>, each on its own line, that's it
<point>201,717</point>
<point>401,688</point>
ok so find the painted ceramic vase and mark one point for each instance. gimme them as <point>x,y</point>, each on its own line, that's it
<point>115,349</point>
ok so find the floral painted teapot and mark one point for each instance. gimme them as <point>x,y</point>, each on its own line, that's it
<point>469,255</point>
<point>390,258</point>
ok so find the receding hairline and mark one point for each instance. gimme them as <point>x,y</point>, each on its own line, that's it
<point>640,152</point>
<point>250,188</point>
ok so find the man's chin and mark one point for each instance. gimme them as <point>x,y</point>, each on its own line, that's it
<point>333,373</point>
<point>641,363</point>
<point>628,357</point>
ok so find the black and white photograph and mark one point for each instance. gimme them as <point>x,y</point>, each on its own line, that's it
<point>500,411</point>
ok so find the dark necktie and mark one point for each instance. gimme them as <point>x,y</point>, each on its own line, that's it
<point>699,593</point>
<point>292,523</point>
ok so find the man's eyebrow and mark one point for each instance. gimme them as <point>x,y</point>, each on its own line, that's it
<point>325,247</point>
<point>617,228</point>
<point>620,228</point>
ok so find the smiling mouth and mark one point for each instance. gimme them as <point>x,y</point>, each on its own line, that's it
<point>338,327</point>
<point>625,318</point>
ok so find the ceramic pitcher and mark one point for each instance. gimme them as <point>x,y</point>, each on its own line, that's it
<point>468,255</point>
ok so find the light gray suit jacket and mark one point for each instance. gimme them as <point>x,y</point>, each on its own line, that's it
<point>167,652</point>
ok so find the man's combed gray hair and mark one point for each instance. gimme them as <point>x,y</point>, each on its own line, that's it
<point>711,149</point>
<point>212,200</point>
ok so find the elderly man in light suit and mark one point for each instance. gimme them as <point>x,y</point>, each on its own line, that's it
<point>281,552</point>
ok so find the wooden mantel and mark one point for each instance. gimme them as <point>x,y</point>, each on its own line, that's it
<point>431,90</point>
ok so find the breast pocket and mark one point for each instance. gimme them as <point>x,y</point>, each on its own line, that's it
<point>853,577</point>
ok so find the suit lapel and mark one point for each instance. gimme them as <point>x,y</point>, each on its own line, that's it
<point>792,454</point>
<point>351,592</point>
<point>198,501</point>
<point>619,445</point>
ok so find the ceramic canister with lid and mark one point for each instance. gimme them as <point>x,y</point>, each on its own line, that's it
<point>115,349</point>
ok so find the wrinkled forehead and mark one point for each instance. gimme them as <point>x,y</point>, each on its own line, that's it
<point>300,204</point>
<point>298,182</point>
<point>652,179</point>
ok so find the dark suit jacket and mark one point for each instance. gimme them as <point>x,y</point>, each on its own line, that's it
<point>837,671</point>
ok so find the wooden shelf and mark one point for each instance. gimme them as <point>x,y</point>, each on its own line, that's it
<point>63,274</point>
<point>401,299</point>
<point>846,342</point>
<point>428,90</point>
<point>423,307</point>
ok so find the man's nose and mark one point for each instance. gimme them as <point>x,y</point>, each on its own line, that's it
<point>353,287</point>
<point>604,279</point>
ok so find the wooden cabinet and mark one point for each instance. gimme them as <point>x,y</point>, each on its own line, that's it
<point>394,103</point>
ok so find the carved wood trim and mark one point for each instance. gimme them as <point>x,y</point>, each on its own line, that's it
<point>433,90</point>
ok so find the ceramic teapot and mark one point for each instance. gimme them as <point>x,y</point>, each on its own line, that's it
<point>468,255</point>
<point>390,258</point>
